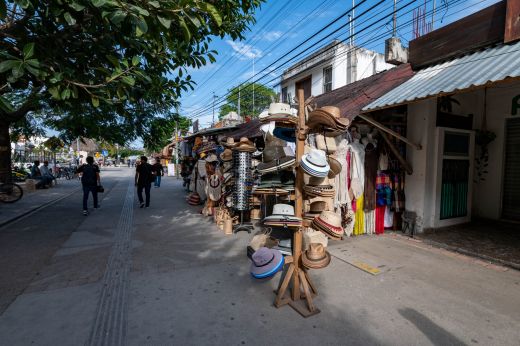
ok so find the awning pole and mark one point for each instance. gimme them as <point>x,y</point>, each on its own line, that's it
<point>389,131</point>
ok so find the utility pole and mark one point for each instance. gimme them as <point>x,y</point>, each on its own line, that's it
<point>253,88</point>
<point>117,155</point>
<point>77,149</point>
<point>353,22</point>
<point>176,148</point>
<point>239,100</point>
<point>433,14</point>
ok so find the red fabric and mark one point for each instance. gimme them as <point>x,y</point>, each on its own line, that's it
<point>380,219</point>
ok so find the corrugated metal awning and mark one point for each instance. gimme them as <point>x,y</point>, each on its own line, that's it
<point>477,69</point>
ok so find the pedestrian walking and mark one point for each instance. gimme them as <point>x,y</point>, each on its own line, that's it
<point>90,180</point>
<point>143,181</point>
<point>159,172</point>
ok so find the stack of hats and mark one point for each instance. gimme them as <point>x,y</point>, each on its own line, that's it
<point>329,223</point>
<point>315,163</point>
<point>319,187</point>
<point>266,263</point>
<point>284,246</point>
<point>327,119</point>
<point>283,216</point>
<point>194,199</point>
<point>245,145</point>
<point>279,113</point>
<point>315,210</point>
<point>315,257</point>
<point>275,158</point>
<point>276,183</point>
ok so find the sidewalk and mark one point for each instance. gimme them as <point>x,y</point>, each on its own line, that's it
<point>35,199</point>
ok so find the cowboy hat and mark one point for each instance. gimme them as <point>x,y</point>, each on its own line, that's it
<point>315,257</point>
<point>245,145</point>
<point>266,262</point>
<point>279,109</point>
<point>230,142</point>
<point>226,155</point>
<point>211,158</point>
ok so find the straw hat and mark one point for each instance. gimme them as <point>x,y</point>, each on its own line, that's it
<point>266,263</point>
<point>230,142</point>
<point>317,206</point>
<point>335,167</point>
<point>226,155</point>
<point>279,109</point>
<point>316,257</point>
<point>245,145</point>
<point>275,158</point>
<point>315,163</point>
<point>211,158</point>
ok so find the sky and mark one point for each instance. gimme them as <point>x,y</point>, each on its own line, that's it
<point>275,42</point>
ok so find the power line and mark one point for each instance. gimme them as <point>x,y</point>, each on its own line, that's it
<point>402,25</point>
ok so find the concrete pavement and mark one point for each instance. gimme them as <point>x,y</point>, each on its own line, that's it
<point>166,276</point>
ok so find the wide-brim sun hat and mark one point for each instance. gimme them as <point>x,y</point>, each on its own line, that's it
<point>316,257</point>
<point>276,165</point>
<point>226,155</point>
<point>265,263</point>
<point>230,142</point>
<point>279,109</point>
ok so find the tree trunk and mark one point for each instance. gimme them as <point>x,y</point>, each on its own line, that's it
<point>5,152</point>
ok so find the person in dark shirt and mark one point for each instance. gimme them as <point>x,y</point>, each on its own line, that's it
<point>143,181</point>
<point>159,172</point>
<point>90,180</point>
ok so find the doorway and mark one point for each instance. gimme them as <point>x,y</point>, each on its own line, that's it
<point>511,186</point>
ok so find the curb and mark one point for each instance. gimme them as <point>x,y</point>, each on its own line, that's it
<point>462,251</point>
<point>30,211</point>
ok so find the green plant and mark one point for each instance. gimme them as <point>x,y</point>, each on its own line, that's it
<point>482,139</point>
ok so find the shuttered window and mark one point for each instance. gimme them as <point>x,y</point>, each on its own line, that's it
<point>511,186</point>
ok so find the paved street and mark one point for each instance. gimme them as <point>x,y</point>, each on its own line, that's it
<point>166,276</point>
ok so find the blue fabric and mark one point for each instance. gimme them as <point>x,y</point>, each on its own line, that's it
<point>286,134</point>
<point>158,181</point>
<point>271,272</point>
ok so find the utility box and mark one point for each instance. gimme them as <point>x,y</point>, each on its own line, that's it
<point>395,53</point>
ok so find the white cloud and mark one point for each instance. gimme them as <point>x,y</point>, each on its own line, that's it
<point>244,51</point>
<point>272,35</point>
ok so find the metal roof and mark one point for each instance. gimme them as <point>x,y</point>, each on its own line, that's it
<point>476,69</point>
<point>351,98</point>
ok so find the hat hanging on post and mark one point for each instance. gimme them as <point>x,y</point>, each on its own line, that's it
<point>335,167</point>
<point>226,155</point>
<point>266,263</point>
<point>315,163</point>
<point>316,257</point>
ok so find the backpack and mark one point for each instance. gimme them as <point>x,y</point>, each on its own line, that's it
<point>89,175</point>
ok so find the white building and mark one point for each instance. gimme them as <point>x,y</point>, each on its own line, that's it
<point>333,66</point>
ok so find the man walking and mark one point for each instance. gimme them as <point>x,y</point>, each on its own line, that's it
<point>159,172</point>
<point>143,180</point>
<point>90,180</point>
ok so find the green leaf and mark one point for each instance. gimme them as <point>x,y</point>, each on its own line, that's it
<point>141,11</point>
<point>195,21</point>
<point>212,11</point>
<point>128,80</point>
<point>165,22</point>
<point>77,7</point>
<point>34,71</point>
<point>184,28</point>
<point>3,9</point>
<point>65,94</point>
<point>28,50</point>
<point>154,4</point>
<point>8,65</point>
<point>117,17</point>
<point>98,3</point>
<point>135,60</point>
<point>142,27</point>
<point>95,101</point>
<point>5,105</point>
<point>70,20</point>
<point>55,92</point>
<point>33,63</point>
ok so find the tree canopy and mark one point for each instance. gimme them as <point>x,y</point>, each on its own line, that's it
<point>262,98</point>
<point>105,69</point>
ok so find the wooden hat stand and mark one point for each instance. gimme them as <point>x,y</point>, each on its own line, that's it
<point>295,277</point>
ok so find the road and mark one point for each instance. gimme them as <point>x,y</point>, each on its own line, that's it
<point>166,276</point>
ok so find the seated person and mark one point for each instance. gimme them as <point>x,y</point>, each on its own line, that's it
<point>37,175</point>
<point>46,171</point>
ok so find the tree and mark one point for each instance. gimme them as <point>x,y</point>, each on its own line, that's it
<point>104,69</point>
<point>262,98</point>
<point>162,130</point>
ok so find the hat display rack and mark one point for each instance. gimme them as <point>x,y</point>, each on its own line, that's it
<point>242,166</point>
<point>296,278</point>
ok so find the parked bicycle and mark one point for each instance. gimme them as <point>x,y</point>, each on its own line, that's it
<point>10,192</point>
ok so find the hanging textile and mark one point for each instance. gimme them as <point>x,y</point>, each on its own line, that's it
<point>341,180</point>
<point>371,163</point>
<point>370,222</point>
<point>359,226</point>
<point>357,167</point>
<point>380,219</point>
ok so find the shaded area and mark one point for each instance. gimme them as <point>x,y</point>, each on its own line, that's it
<point>492,239</point>
<point>436,334</point>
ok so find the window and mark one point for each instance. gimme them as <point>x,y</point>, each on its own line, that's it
<point>284,95</point>
<point>327,79</point>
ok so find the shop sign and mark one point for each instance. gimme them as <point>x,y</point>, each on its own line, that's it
<point>515,106</point>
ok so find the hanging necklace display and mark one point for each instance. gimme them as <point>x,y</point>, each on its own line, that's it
<point>242,188</point>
